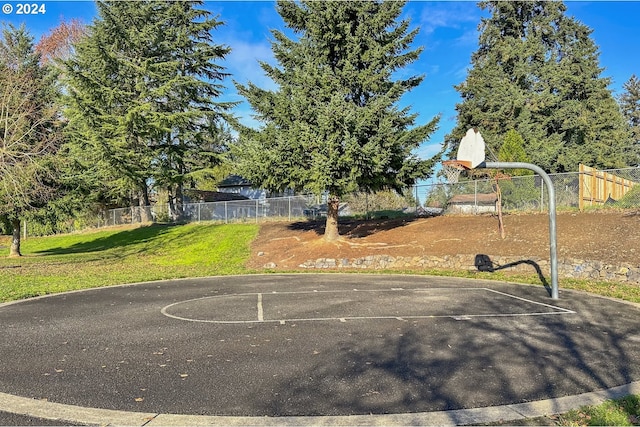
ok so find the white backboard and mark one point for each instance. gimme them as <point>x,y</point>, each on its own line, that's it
<point>471,148</point>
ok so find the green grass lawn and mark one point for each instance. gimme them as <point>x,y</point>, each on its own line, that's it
<point>128,255</point>
<point>117,256</point>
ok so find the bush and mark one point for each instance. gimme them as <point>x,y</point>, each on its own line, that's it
<point>631,199</point>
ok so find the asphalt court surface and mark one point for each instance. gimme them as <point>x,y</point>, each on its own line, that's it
<point>315,345</point>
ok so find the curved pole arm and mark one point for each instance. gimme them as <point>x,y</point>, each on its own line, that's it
<point>553,246</point>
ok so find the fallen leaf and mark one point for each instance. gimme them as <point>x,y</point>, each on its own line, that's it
<point>139,399</point>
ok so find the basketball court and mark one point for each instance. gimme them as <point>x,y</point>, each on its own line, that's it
<point>319,349</point>
<point>346,349</point>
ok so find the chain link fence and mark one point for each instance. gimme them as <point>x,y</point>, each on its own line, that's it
<point>579,191</point>
<point>591,189</point>
<point>586,190</point>
<point>283,208</point>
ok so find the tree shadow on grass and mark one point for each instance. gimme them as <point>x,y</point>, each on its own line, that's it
<point>352,228</point>
<point>122,239</point>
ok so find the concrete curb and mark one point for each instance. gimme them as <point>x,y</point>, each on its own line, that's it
<point>95,416</point>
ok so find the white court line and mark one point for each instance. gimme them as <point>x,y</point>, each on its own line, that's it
<point>532,302</point>
<point>354,318</point>
<point>343,319</point>
<point>260,309</point>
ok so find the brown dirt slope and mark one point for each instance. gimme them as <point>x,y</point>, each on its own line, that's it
<point>612,237</point>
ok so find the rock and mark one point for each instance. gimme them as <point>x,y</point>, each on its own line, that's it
<point>634,275</point>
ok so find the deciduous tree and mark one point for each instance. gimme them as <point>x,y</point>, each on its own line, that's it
<point>58,43</point>
<point>29,129</point>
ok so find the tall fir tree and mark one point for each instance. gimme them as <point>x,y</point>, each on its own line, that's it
<point>197,134</point>
<point>630,104</point>
<point>29,130</point>
<point>333,125</point>
<point>537,71</point>
<point>142,93</point>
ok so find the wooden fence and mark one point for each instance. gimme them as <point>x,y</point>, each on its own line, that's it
<point>598,187</point>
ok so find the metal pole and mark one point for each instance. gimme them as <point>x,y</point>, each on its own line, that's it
<point>475,197</point>
<point>553,245</point>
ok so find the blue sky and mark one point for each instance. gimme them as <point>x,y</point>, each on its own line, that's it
<point>448,34</point>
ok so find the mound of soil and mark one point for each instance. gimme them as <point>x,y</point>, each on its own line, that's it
<point>612,237</point>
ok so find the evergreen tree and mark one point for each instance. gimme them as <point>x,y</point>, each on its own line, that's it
<point>142,88</point>
<point>333,126</point>
<point>197,134</point>
<point>514,193</point>
<point>536,71</point>
<point>29,130</point>
<point>630,105</point>
<point>512,150</point>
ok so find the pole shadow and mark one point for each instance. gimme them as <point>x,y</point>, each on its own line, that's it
<point>484,263</point>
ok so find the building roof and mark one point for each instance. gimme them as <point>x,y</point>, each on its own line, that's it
<point>234,181</point>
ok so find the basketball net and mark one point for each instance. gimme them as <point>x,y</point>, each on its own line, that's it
<point>452,170</point>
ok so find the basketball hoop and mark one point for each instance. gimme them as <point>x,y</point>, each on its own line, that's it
<point>453,168</point>
<point>471,155</point>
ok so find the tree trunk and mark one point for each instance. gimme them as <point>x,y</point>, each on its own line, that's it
<point>331,228</point>
<point>499,209</point>
<point>144,204</point>
<point>179,203</point>
<point>14,250</point>
<point>171,204</point>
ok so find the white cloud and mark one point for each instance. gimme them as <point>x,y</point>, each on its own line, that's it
<point>244,62</point>
<point>447,15</point>
<point>428,150</point>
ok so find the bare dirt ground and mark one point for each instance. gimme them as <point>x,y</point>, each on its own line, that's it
<point>612,237</point>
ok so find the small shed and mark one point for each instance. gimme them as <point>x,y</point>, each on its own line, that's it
<point>472,203</point>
